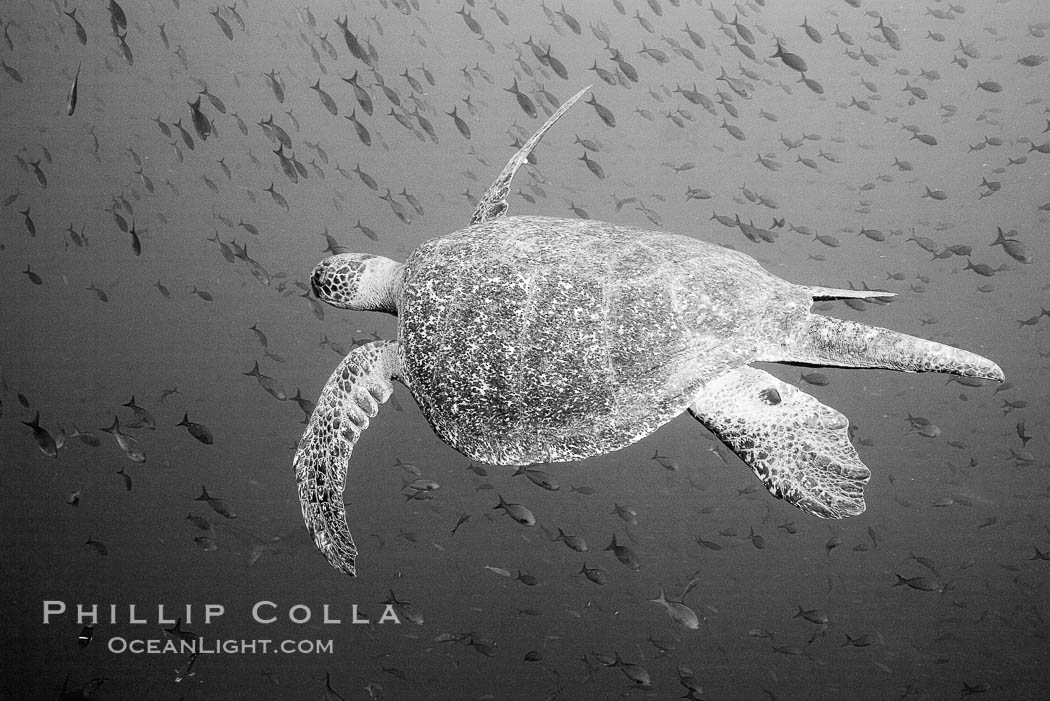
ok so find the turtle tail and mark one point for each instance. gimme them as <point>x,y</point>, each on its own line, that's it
<point>351,397</point>
<point>829,341</point>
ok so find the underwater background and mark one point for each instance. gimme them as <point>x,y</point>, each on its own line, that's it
<point>154,267</point>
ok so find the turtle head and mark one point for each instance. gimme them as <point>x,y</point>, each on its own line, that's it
<point>358,281</point>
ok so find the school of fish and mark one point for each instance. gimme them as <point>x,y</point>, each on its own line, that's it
<point>174,170</point>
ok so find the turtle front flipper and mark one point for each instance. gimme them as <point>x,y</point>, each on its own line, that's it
<point>798,447</point>
<point>352,396</point>
<point>493,204</point>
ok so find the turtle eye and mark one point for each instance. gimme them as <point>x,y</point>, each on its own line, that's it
<point>770,396</point>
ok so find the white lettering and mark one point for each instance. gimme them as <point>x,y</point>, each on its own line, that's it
<point>356,618</point>
<point>389,615</point>
<point>258,606</point>
<point>213,611</point>
<point>131,615</point>
<point>160,617</point>
<point>53,608</point>
<point>304,618</point>
<point>84,614</point>
<point>327,618</point>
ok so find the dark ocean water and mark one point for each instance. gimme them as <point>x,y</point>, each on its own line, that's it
<point>959,489</point>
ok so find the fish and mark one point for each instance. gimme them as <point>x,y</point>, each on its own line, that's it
<point>287,165</point>
<point>678,611</point>
<point>183,134</point>
<point>11,71</point>
<point>396,206</point>
<point>127,479</point>
<point>144,418</point>
<point>272,387</point>
<point>86,437</point>
<point>709,544</point>
<point>518,512</point>
<point>352,42</point>
<point>665,462</point>
<point>592,166</point>
<point>817,616</point>
<point>792,61</point>
<point>29,224</point>
<point>206,543</point>
<point>77,26</point>
<point>463,518</point>
<point>218,505</point>
<point>43,439</point>
<point>1013,247</point>
<point>626,513</point>
<point>223,24</point>
<point>38,173</point>
<point>129,444</point>
<point>734,131</point>
<point>98,546</point>
<point>86,633</point>
<point>277,197</point>
<point>921,583</point>
<point>574,542</point>
<point>360,94</point>
<point>604,113</point>
<point>595,574</point>
<point>136,243</point>
<point>275,85</point>
<point>117,17</point>
<point>326,99</point>
<point>523,100</point>
<point>200,123</point>
<point>125,50</point>
<point>636,673</point>
<point>71,98</point>
<point>404,609</point>
<point>526,578</point>
<point>412,200</point>
<point>367,179</point>
<point>624,554</point>
<point>199,521</point>
<point>198,431</point>
<point>425,125</point>
<point>362,132</point>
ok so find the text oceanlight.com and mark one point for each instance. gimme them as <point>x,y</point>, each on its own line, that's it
<point>205,646</point>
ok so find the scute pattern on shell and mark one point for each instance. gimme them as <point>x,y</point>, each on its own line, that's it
<point>536,339</point>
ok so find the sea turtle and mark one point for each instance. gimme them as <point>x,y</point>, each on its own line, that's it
<point>534,339</point>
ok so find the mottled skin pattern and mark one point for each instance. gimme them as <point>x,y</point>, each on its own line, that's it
<point>535,339</point>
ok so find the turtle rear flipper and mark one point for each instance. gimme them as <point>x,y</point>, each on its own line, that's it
<point>798,447</point>
<point>825,340</point>
<point>349,399</point>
